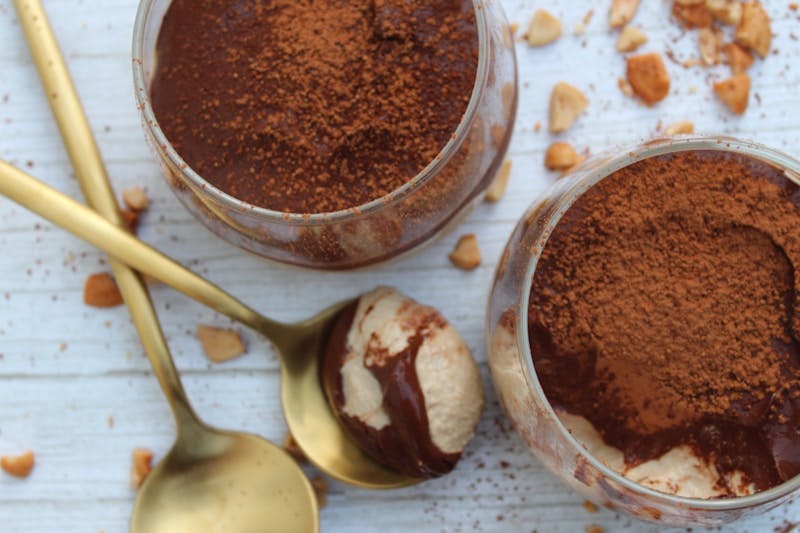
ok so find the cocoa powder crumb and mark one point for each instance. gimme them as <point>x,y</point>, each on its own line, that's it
<point>312,107</point>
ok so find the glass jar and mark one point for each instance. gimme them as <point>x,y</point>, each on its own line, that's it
<point>384,228</point>
<point>515,377</point>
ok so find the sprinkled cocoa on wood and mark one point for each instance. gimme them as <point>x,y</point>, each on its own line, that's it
<point>317,106</point>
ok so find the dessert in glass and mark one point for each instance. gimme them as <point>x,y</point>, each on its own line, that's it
<point>326,135</point>
<point>643,329</point>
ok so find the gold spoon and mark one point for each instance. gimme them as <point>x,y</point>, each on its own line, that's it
<point>305,407</point>
<point>211,480</point>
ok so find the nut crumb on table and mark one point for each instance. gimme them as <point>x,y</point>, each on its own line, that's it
<point>467,254</point>
<point>734,92</point>
<point>648,77</point>
<point>560,156</point>
<point>543,29</point>
<point>630,38</point>
<point>220,344</point>
<point>566,104</point>
<point>100,290</point>
<point>754,30</point>
<point>18,465</point>
<point>497,189</point>
<point>622,11</point>
<point>135,199</point>
<point>141,464</point>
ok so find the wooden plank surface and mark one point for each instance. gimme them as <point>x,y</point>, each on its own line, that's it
<point>75,385</point>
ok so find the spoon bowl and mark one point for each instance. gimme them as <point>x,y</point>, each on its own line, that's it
<point>216,480</point>
<point>300,346</point>
<point>308,415</point>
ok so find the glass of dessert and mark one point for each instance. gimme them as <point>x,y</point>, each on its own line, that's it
<point>644,329</point>
<point>329,135</point>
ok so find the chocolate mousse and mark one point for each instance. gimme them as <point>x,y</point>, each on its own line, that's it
<point>403,382</point>
<point>316,106</point>
<point>664,327</point>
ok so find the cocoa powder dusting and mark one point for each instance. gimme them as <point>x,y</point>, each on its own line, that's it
<point>313,106</point>
<point>664,311</point>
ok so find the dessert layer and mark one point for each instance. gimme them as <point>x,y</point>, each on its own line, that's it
<point>663,311</point>
<point>314,106</point>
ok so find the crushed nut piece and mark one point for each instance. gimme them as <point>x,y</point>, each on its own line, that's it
<point>625,87</point>
<point>560,156</point>
<point>141,464</point>
<point>754,31</point>
<point>679,128</point>
<point>543,29</point>
<point>710,42</point>
<point>566,103</point>
<point>726,11</point>
<point>622,12</point>
<point>630,39</point>
<point>580,29</point>
<point>130,219</point>
<point>513,27</point>
<point>589,506</point>
<point>135,198</point>
<point>466,255</point>
<point>219,344</point>
<point>18,465</point>
<point>320,486</point>
<point>100,290</point>
<point>594,528</point>
<point>739,59</point>
<point>734,92</point>
<point>648,76</point>
<point>498,186</point>
<point>693,15</point>
<point>292,448</point>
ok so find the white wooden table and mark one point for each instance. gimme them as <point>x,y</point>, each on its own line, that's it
<point>76,387</point>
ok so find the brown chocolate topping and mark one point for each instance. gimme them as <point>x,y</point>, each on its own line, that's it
<point>664,311</point>
<point>313,106</point>
<point>405,444</point>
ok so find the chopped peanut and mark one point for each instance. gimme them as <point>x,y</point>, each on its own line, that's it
<point>466,254</point>
<point>726,11</point>
<point>734,92</point>
<point>679,128</point>
<point>130,219</point>
<point>739,59</point>
<point>100,290</point>
<point>141,464</point>
<point>648,76</point>
<point>560,156</point>
<point>498,186</point>
<point>693,15</point>
<point>135,198</point>
<point>630,39</point>
<point>589,506</point>
<point>754,30</point>
<point>219,344</point>
<point>543,29</point>
<point>622,11</point>
<point>566,103</point>
<point>18,465</point>
<point>710,41</point>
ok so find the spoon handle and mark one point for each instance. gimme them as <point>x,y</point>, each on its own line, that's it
<point>87,225</point>
<point>96,187</point>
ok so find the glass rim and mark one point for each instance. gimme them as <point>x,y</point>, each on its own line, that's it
<point>624,157</point>
<point>431,169</point>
